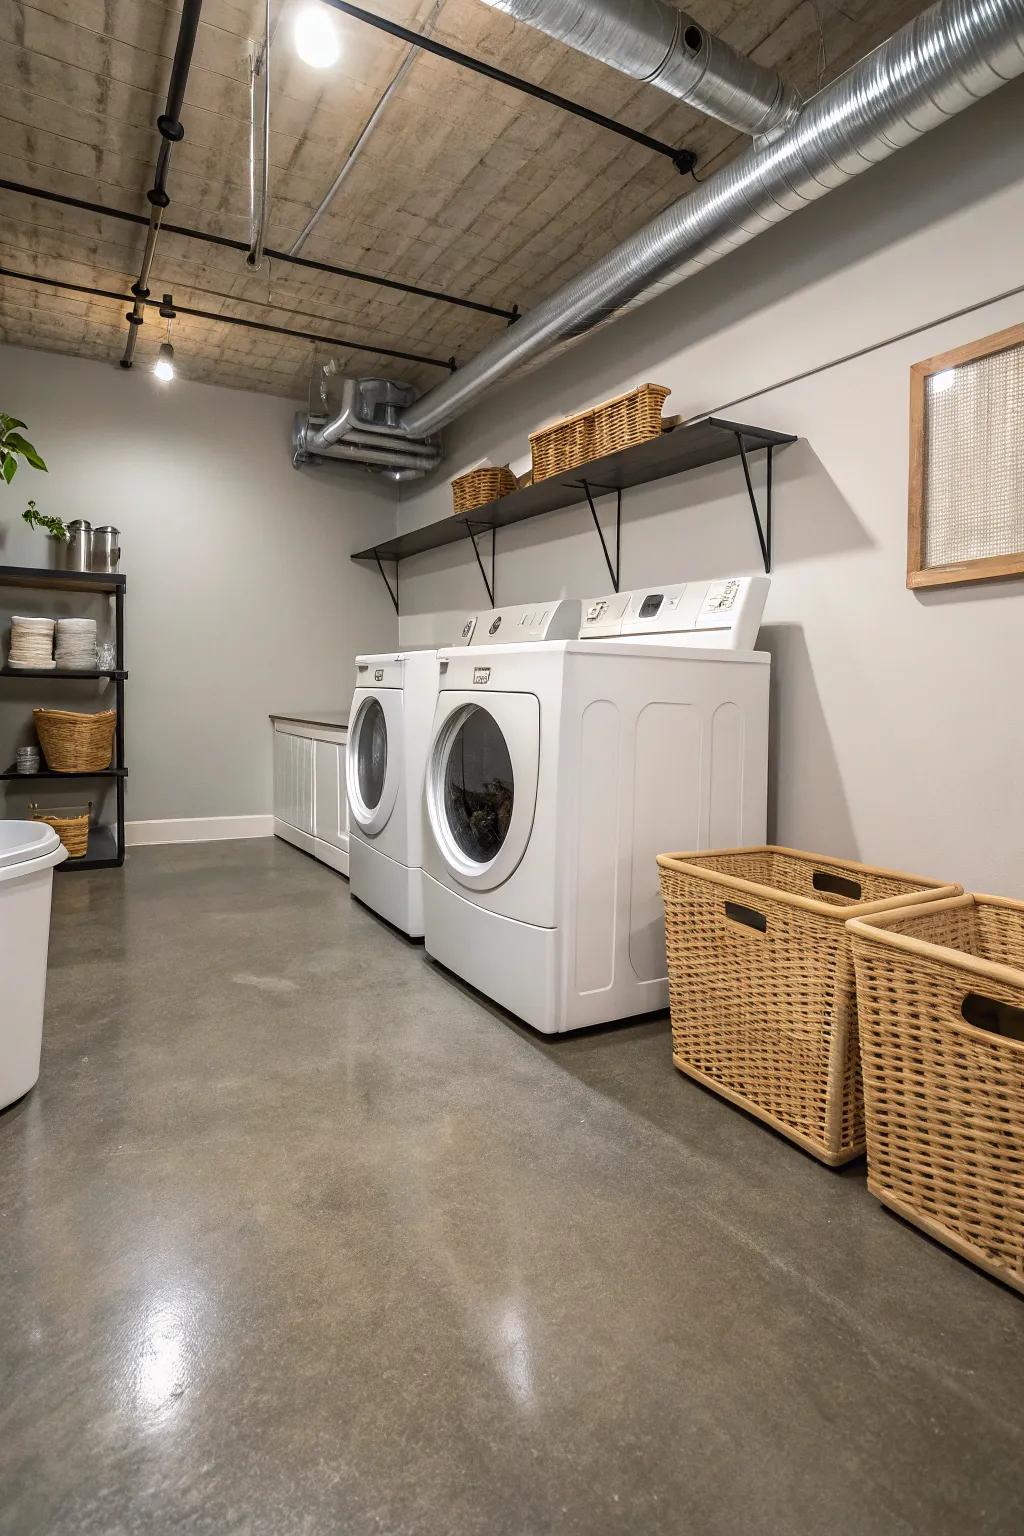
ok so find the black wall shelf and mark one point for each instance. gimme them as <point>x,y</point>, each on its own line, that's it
<point>44,580</point>
<point>106,844</point>
<point>687,447</point>
<point>43,674</point>
<point>48,773</point>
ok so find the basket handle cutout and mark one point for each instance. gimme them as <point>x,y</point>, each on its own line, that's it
<point>836,885</point>
<point>996,1017</point>
<point>748,916</point>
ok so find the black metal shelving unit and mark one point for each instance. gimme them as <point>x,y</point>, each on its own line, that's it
<point>686,447</point>
<point>106,844</point>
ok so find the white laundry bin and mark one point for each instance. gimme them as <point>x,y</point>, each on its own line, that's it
<point>28,852</point>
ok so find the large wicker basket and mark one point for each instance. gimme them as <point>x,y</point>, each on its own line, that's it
<point>941,997</point>
<point>631,418</point>
<point>71,826</point>
<point>761,983</point>
<point>76,743</point>
<point>482,485</point>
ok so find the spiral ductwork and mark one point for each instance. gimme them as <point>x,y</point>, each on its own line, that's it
<point>950,56</point>
<point>652,41</point>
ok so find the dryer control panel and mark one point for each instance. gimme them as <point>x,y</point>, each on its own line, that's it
<point>558,619</point>
<point>726,613</point>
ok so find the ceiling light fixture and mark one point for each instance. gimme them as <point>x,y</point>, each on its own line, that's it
<point>164,365</point>
<point>316,37</point>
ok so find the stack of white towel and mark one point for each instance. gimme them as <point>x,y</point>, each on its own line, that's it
<point>31,645</point>
<point>76,645</point>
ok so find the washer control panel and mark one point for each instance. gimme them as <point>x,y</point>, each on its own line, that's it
<point>558,619</point>
<point>723,613</point>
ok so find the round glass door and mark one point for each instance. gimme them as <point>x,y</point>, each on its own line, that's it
<point>479,787</point>
<point>371,754</point>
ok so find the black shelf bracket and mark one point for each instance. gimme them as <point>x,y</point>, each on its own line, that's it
<point>764,530</point>
<point>392,593</point>
<point>614,571</point>
<point>473,532</point>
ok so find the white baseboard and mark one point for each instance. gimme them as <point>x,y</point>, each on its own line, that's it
<point>196,829</point>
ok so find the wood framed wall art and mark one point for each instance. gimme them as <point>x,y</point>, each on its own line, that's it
<point>966,513</point>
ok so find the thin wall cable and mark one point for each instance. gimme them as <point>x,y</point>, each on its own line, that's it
<point>849,357</point>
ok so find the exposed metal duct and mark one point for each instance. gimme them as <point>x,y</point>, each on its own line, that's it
<point>364,428</point>
<point>652,41</point>
<point>950,56</point>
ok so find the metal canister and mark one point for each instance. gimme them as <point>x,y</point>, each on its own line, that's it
<point>106,549</point>
<point>79,554</point>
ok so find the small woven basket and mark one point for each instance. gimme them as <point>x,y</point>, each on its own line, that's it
<point>75,743</point>
<point>941,997</point>
<point>482,485</point>
<point>631,418</point>
<point>71,826</point>
<point>761,984</point>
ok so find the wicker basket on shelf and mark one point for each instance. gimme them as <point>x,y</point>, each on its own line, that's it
<point>628,419</point>
<point>71,825</point>
<point>73,742</point>
<point>481,486</point>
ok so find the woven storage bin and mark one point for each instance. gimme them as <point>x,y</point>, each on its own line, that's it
<point>75,743</point>
<point>761,983</point>
<point>620,423</point>
<point>71,826</point>
<point>944,1096</point>
<point>482,485</point>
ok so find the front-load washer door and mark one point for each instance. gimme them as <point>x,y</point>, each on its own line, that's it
<point>482,783</point>
<point>374,756</point>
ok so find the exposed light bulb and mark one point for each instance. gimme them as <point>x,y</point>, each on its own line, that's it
<point>164,365</point>
<point>316,36</point>
<point>942,381</point>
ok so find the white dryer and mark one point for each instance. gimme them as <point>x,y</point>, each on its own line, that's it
<point>558,771</point>
<point>388,742</point>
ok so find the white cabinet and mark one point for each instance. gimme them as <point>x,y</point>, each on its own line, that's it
<point>330,803</point>
<point>310,799</point>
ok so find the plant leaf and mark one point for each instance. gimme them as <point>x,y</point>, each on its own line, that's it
<point>9,422</point>
<point>24,447</point>
<point>8,468</point>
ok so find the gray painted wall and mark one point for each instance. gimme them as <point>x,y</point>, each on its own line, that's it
<point>241,595</point>
<point>897,731</point>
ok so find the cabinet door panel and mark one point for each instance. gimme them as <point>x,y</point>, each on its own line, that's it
<point>331,809</point>
<point>293,780</point>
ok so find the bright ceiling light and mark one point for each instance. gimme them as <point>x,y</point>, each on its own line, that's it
<point>164,365</point>
<point>316,37</point>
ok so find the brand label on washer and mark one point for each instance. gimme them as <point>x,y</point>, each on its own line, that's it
<point>378,674</point>
<point>481,675</point>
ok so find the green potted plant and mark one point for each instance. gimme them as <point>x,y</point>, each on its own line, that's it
<point>13,448</point>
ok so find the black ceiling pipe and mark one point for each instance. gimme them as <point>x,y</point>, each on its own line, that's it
<point>684,160</point>
<point>171,132</point>
<point>240,245</point>
<point>448,363</point>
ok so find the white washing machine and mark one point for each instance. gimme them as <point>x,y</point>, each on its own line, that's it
<point>388,742</point>
<point>558,770</point>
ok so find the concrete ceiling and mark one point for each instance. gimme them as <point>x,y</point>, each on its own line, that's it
<point>465,186</point>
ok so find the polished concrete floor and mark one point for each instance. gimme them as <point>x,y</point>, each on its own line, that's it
<point>299,1236</point>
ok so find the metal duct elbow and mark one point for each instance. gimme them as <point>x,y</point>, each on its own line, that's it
<point>950,56</point>
<point>652,41</point>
